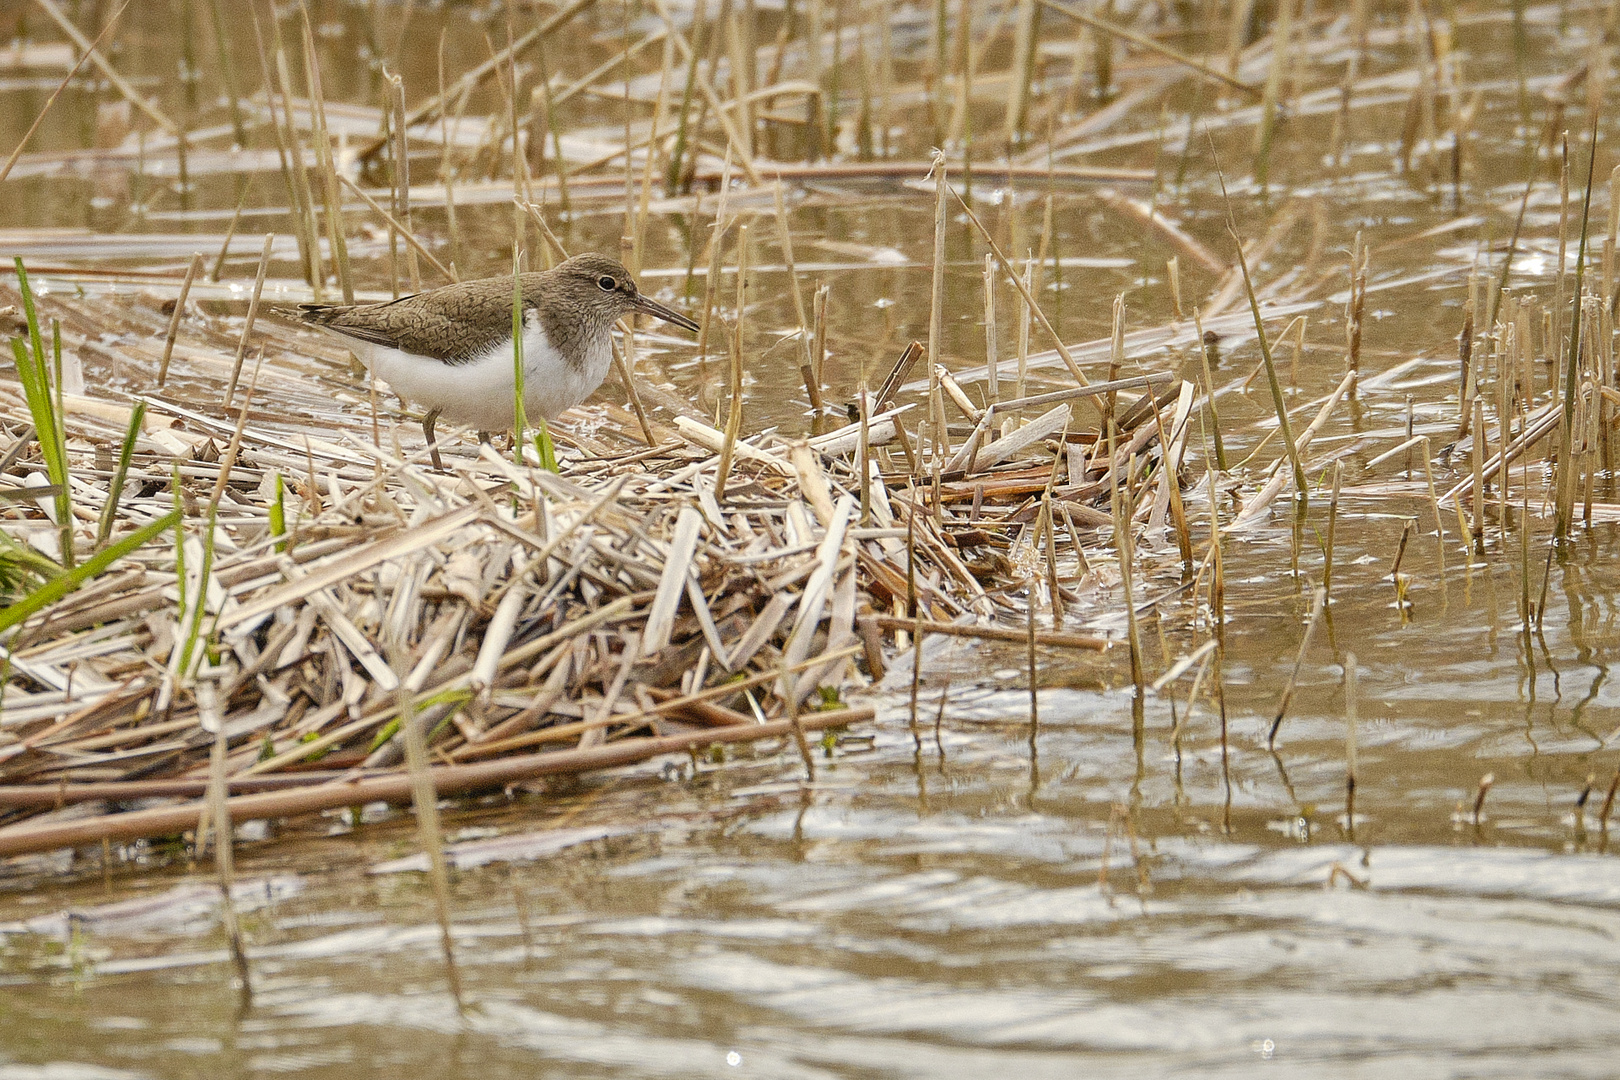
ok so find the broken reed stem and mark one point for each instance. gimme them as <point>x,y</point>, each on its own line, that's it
<point>1029,628</point>
<point>1476,498</point>
<point>176,315</point>
<point>811,371</point>
<point>230,232</point>
<point>1484,788</point>
<point>1350,719</point>
<point>1024,291</point>
<point>1566,457</point>
<point>734,417</point>
<point>1118,503</point>
<point>1318,602</point>
<point>218,812</point>
<point>864,454</point>
<point>1277,400</point>
<point>85,55</point>
<point>1608,804</point>
<point>252,314</point>
<point>936,308</point>
<point>784,237</point>
<point>1434,503</point>
<point>992,373</point>
<point>1333,521</point>
<point>791,683</point>
<point>1205,346</point>
<point>426,802</point>
<point>331,190</point>
<point>413,246</point>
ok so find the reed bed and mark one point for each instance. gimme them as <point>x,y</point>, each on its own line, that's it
<point>227,557</point>
<point>319,593</point>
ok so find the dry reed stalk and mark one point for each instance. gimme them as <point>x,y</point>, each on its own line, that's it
<point>1023,71</point>
<point>711,283</point>
<point>818,345</point>
<point>413,245</point>
<point>89,48</point>
<point>1477,496</point>
<point>1318,603</point>
<point>1565,476</point>
<point>1281,41</point>
<point>323,161</point>
<point>402,183</point>
<point>992,367</point>
<point>1333,521</point>
<point>174,319</point>
<point>434,107</point>
<point>1205,345</point>
<point>1561,271</point>
<point>1123,547</point>
<point>1142,41</point>
<point>1434,503</point>
<point>784,237</point>
<point>1277,401</point>
<point>1025,314</point>
<point>218,810</point>
<point>1608,804</point>
<point>425,801</point>
<point>447,780</point>
<point>1356,304</point>
<point>1024,290</point>
<point>734,414</point>
<point>230,233</point>
<point>85,55</point>
<point>936,297</point>
<point>1480,792</point>
<point>302,195</point>
<point>252,314</point>
<point>1350,706</point>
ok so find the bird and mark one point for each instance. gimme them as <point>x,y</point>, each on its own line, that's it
<point>450,350</point>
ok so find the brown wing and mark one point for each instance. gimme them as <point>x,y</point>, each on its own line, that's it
<point>454,324</point>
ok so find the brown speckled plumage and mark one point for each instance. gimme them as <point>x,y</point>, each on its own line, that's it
<point>459,323</point>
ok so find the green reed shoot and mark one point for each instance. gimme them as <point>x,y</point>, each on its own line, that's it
<point>520,421</point>
<point>193,607</point>
<point>45,411</point>
<point>543,446</point>
<point>64,583</point>
<point>115,490</point>
<point>278,514</point>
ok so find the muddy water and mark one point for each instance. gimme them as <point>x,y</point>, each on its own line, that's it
<point>977,893</point>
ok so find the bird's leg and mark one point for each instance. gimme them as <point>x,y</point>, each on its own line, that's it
<point>433,444</point>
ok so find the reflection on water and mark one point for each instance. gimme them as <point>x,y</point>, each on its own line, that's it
<point>980,898</point>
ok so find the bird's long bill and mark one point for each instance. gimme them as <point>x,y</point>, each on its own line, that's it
<point>653,307</point>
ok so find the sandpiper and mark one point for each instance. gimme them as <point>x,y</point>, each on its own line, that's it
<point>450,349</point>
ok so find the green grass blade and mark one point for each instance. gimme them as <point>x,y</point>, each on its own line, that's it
<point>278,513</point>
<point>520,422</point>
<point>65,583</point>
<point>115,491</point>
<point>199,604</point>
<point>544,447</point>
<point>46,412</point>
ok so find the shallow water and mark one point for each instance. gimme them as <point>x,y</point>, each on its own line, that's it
<point>981,894</point>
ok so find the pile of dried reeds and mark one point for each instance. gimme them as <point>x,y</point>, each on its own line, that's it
<point>256,587</point>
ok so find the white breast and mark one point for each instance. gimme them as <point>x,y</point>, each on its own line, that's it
<point>479,392</point>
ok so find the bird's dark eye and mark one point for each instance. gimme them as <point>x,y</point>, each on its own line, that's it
<point>607,283</point>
